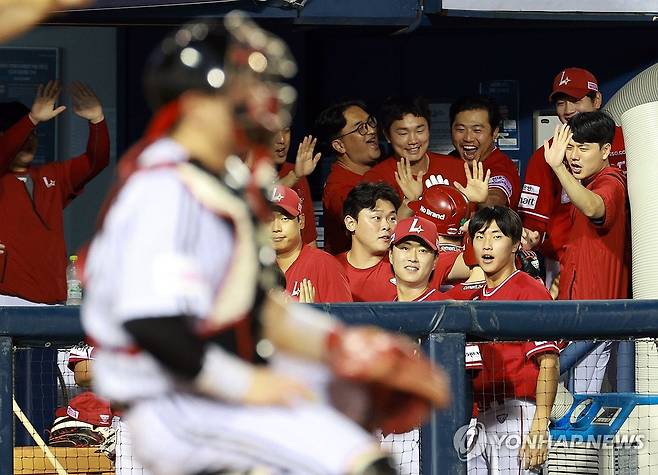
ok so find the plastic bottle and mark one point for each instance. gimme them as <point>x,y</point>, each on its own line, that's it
<point>73,283</point>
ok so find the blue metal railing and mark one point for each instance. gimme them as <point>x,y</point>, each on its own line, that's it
<point>442,327</point>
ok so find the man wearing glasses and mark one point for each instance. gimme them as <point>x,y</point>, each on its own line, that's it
<point>412,168</point>
<point>349,131</point>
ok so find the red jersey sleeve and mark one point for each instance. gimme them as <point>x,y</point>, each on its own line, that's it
<point>472,357</point>
<point>505,177</point>
<point>12,141</point>
<point>80,170</point>
<point>80,352</point>
<point>443,267</point>
<point>535,348</point>
<point>539,193</point>
<point>611,187</point>
<point>333,285</point>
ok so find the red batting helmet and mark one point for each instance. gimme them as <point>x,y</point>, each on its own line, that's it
<point>445,206</point>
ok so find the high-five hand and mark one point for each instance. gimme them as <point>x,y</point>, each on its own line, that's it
<point>85,103</point>
<point>410,186</point>
<point>44,106</point>
<point>554,152</point>
<point>477,183</point>
<point>306,162</point>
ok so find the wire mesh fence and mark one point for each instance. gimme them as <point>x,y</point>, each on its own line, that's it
<point>604,416</point>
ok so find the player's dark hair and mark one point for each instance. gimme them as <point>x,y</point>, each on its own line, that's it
<point>506,218</point>
<point>365,196</point>
<point>331,121</point>
<point>395,108</point>
<point>10,113</point>
<point>593,127</point>
<point>478,102</point>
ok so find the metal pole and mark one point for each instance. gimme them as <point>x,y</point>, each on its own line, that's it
<point>626,367</point>
<point>6,414</point>
<point>438,454</point>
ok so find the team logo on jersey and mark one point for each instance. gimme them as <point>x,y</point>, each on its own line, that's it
<point>433,180</point>
<point>48,183</point>
<point>564,79</point>
<point>295,290</point>
<point>276,195</point>
<point>501,417</point>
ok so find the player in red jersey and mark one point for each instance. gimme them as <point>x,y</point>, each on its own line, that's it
<point>516,386</point>
<point>595,261</point>
<point>293,175</point>
<point>301,263</point>
<point>412,168</point>
<point>370,217</point>
<point>474,122</point>
<point>544,207</point>
<point>413,256</point>
<point>350,131</point>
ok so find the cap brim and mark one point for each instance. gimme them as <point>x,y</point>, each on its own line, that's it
<point>290,210</point>
<point>576,93</point>
<point>417,237</point>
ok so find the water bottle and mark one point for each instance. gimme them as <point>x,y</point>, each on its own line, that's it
<point>73,284</point>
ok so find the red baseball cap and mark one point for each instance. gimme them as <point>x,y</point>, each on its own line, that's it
<point>418,227</point>
<point>574,82</point>
<point>87,407</point>
<point>286,199</point>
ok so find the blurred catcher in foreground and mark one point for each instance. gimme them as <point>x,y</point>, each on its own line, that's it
<point>179,285</point>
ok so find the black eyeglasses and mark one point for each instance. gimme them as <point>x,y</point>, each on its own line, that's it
<point>362,128</point>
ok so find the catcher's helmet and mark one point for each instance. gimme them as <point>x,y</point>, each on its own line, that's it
<point>191,58</point>
<point>236,57</point>
<point>445,206</point>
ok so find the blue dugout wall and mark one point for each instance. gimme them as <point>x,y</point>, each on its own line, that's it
<point>443,328</point>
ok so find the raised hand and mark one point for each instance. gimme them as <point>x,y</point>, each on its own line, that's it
<point>410,186</point>
<point>44,106</point>
<point>306,292</point>
<point>554,152</point>
<point>306,162</point>
<point>477,183</point>
<point>85,103</point>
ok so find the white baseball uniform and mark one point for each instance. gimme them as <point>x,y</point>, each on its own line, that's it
<point>164,251</point>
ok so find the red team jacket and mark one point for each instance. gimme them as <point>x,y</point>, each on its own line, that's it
<point>338,185</point>
<point>594,264</point>
<point>544,207</point>
<point>509,370</point>
<point>326,275</point>
<point>309,233</point>
<point>33,266</point>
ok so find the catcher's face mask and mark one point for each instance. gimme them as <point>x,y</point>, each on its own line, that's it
<point>257,64</point>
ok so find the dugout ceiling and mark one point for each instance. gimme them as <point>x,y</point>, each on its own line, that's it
<point>410,13</point>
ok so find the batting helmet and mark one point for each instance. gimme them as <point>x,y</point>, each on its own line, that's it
<point>445,206</point>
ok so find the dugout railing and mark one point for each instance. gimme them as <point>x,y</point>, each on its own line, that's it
<point>443,329</point>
